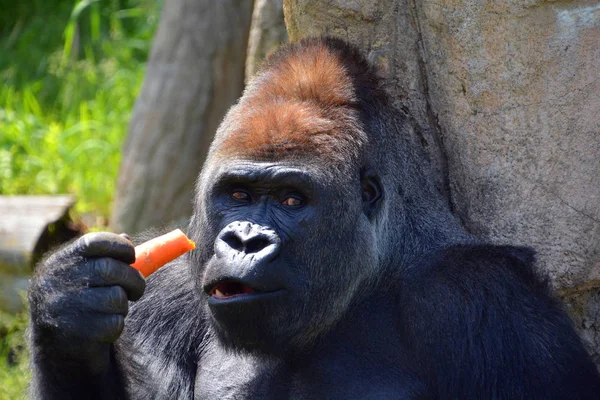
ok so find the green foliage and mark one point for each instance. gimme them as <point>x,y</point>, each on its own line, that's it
<point>70,72</point>
<point>14,372</point>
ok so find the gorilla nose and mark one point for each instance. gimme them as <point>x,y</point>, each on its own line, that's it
<point>241,239</point>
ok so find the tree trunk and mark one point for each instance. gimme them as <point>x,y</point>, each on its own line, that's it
<point>267,32</point>
<point>507,97</point>
<point>195,73</point>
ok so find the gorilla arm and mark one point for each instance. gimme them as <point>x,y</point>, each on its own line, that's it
<point>486,326</point>
<point>158,348</point>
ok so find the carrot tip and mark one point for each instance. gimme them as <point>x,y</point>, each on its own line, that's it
<point>153,254</point>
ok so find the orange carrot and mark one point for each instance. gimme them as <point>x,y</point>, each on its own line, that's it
<point>153,254</point>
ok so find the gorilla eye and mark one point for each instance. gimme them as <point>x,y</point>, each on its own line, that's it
<point>238,195</point>
<point>292,202</point>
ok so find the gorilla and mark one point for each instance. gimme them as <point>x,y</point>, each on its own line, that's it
<point>327,266</point>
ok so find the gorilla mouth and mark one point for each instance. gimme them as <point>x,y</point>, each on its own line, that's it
<point>227,289</point>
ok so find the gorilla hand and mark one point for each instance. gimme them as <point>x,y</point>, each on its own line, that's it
<point>79,299</point>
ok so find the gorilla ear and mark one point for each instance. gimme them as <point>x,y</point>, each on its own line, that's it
<point>371,192</point>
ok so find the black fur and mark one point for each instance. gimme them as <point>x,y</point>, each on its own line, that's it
<point>365,284</point>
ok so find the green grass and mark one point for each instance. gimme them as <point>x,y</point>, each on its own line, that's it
<point>14,372</point>
<point>69,75</point>
<point>70,72</point>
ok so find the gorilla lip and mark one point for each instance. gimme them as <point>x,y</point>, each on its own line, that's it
<point>229,288</point>
<point>229,291</point>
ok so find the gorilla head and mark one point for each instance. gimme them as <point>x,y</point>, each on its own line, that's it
<point>297,202</point>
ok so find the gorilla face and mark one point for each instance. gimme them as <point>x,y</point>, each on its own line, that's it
<point>287,202</point>
<point>291,249</point>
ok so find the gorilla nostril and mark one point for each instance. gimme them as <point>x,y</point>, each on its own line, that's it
<point>233,241</point>
<point>256,244</point>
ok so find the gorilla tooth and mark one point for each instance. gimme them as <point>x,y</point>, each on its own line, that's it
<point>218,293</point>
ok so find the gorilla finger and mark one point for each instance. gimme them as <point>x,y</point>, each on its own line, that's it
<point>110,272</point>
<point>107,300</point>
<point>106,328</point>
<point>126,236</point>
<point>105,244</point>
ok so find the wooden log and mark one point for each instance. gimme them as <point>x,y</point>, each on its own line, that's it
<point>24,223</point>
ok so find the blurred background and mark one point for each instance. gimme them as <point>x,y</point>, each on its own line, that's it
<point>107,109</point>
<point>70,73</point>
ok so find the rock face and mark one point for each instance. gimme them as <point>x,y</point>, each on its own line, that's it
<point>507,95</point>
<point>195,73</point>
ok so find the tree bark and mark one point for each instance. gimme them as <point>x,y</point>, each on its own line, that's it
<point>506,95</point>
<point>195,72</point>
<point>267,32</point>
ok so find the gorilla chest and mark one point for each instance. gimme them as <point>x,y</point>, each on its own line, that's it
<point>227,376</point>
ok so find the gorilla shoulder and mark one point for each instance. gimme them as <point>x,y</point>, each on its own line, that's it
<point>487,307</point>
